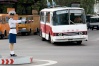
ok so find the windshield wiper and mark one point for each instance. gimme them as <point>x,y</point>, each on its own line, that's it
<point>71,22</point>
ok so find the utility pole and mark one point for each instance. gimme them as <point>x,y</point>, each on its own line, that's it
<point>48,4</point>
<point>96,6</point>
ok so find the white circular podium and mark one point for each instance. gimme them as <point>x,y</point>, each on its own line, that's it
<point>16,60</point>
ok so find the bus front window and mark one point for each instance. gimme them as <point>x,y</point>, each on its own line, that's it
<point>66,17</point>
<point>60,18</point>
<point>94,20</point>
<point>77,16</point>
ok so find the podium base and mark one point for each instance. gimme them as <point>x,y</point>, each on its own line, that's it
<point>16,60</point>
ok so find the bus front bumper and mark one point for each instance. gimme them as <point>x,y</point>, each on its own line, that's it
<point>69,38</point>
<point>22,30</point>
<point>94,26</point>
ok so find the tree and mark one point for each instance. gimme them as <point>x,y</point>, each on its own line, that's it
<point>25,6</point>
<point>88,5</point>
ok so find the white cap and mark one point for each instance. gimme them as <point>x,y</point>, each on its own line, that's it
<point>12,13</point>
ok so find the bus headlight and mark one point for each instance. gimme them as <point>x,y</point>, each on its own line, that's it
<point>58,34</point>
<point>80,33</point>
<point>24,28</point>
<point>83,33</point>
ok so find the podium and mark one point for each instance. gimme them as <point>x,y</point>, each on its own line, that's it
<point>16,60</point>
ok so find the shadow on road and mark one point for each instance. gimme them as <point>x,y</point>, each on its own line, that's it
<point>68,44</point>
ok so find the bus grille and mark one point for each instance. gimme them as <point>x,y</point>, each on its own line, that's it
<point>71,33</point>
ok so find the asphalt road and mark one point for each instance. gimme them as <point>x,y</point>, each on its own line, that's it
<point>61,54</point>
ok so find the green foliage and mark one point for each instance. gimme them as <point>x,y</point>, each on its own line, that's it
<point>25,1</point>
<point>4,8</point>
<point>36,6</point>
<point>88,5</point>
<point>19,9</point>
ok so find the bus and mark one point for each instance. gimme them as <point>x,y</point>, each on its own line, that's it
<point>59,25</point>
<point>30,26</point>
<point>25,28</point>
<point>4,26</point>
<point>94,22</point>
<point>36,24</point>
<point>88,20</point>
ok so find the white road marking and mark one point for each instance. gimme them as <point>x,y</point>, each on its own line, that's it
<point>49,62</point>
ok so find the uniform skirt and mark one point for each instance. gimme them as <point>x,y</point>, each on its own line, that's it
<point>12,38</point>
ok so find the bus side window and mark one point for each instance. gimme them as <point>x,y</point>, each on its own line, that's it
<point>42,16</point>
<point>28,19</point>
<point>3,20</point>
<point>48,17</point>
<point>20,18</point>
<point>31,18</point>
<point>0,19</point>
<point>6,19</point>
<point>24,18</point>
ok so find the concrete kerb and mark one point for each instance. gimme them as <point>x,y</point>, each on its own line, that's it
<point>16,60</point>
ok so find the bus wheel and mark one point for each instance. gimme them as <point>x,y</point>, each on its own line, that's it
<point>29,32</point>
<point>5,35</point>
<point>97,28</point>
<point>23,33</point>
<point>79,42</point>
<point>2,36</point>
<point>50,40</point>
<point>92,28</point>
<point>36,31</point>
<point>43,39</point>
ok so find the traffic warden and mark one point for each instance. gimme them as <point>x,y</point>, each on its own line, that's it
<point>12,32</point>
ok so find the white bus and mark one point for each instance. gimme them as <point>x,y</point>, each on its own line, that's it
<point>63,24</point>
<point>94,22</point>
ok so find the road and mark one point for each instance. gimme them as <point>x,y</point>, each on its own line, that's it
<point>61,54</point>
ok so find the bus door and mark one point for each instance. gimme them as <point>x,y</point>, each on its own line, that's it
<point>47,24</point>
<point>0,25</point>
<point>3,27</point>
<point>44,23</point>
<point>0,19</point>
<point>7,26</point>
<point>30,20</point>
<point>44,26</point>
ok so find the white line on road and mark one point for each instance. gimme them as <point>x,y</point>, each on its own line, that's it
<point>50,62</point>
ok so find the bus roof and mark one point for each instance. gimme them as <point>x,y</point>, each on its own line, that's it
<point>95,17</point>
<point>3,14</point>
<point>59,8</point>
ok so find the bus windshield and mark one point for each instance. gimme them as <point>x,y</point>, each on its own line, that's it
<point>66,17</point>
<point>94,20</point>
